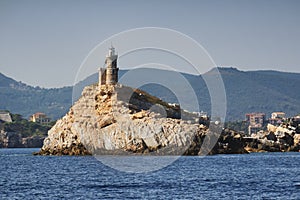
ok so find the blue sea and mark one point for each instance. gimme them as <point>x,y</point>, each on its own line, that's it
<point>248,176</point>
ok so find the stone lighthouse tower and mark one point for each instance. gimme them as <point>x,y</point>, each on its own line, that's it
<point>109,74</point>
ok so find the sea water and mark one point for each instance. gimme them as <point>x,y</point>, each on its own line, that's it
<point>248,176</point>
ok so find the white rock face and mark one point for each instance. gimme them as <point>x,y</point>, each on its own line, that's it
<point>119,120</point>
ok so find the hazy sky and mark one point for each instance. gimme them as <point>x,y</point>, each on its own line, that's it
<point>44,42</point>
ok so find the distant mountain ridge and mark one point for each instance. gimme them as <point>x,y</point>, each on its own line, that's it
<point>246,91</point>
<point>23,99</point>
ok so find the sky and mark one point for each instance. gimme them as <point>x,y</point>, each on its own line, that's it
<point>44,43</point>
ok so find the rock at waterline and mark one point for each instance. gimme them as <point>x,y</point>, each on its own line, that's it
<point>15,140</point>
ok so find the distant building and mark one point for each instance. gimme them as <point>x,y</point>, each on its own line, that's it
<point>256,118</point>
<point>278,115</point>
<point>275,122</point>
<point>109,74</point>
<point>254,129</point>
<point>5,116</point>
<point>256,122</point>
<point>277,118</point>
<point>297,118</point>
<point>40,118</point>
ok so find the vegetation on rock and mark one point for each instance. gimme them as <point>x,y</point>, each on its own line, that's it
<point>24,127</point>
<point>22,133</point>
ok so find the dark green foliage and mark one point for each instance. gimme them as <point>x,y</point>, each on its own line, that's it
<point>25,127</point>
<point>260,91</point>
<point>26,100</point>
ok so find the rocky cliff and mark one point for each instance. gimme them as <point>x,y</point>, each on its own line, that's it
<point>15,140</point>
<point>122,120</point>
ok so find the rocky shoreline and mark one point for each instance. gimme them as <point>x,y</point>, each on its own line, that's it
<point>15,140</point>
<point>283,138</point>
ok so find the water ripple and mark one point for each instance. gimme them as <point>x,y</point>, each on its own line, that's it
<point>253,176</point>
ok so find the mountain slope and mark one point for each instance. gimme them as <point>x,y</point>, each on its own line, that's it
<point>261,91</point>
<point>246,91</point>
<point>20,98</point>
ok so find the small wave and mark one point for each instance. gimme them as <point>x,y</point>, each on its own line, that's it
<point>14,155</point>
<point>297,185</point>
<point>113,186</point>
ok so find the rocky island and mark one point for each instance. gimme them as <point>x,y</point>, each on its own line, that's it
<point>110,118</point>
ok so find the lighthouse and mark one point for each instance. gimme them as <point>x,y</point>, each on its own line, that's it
<point>109,74</point>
